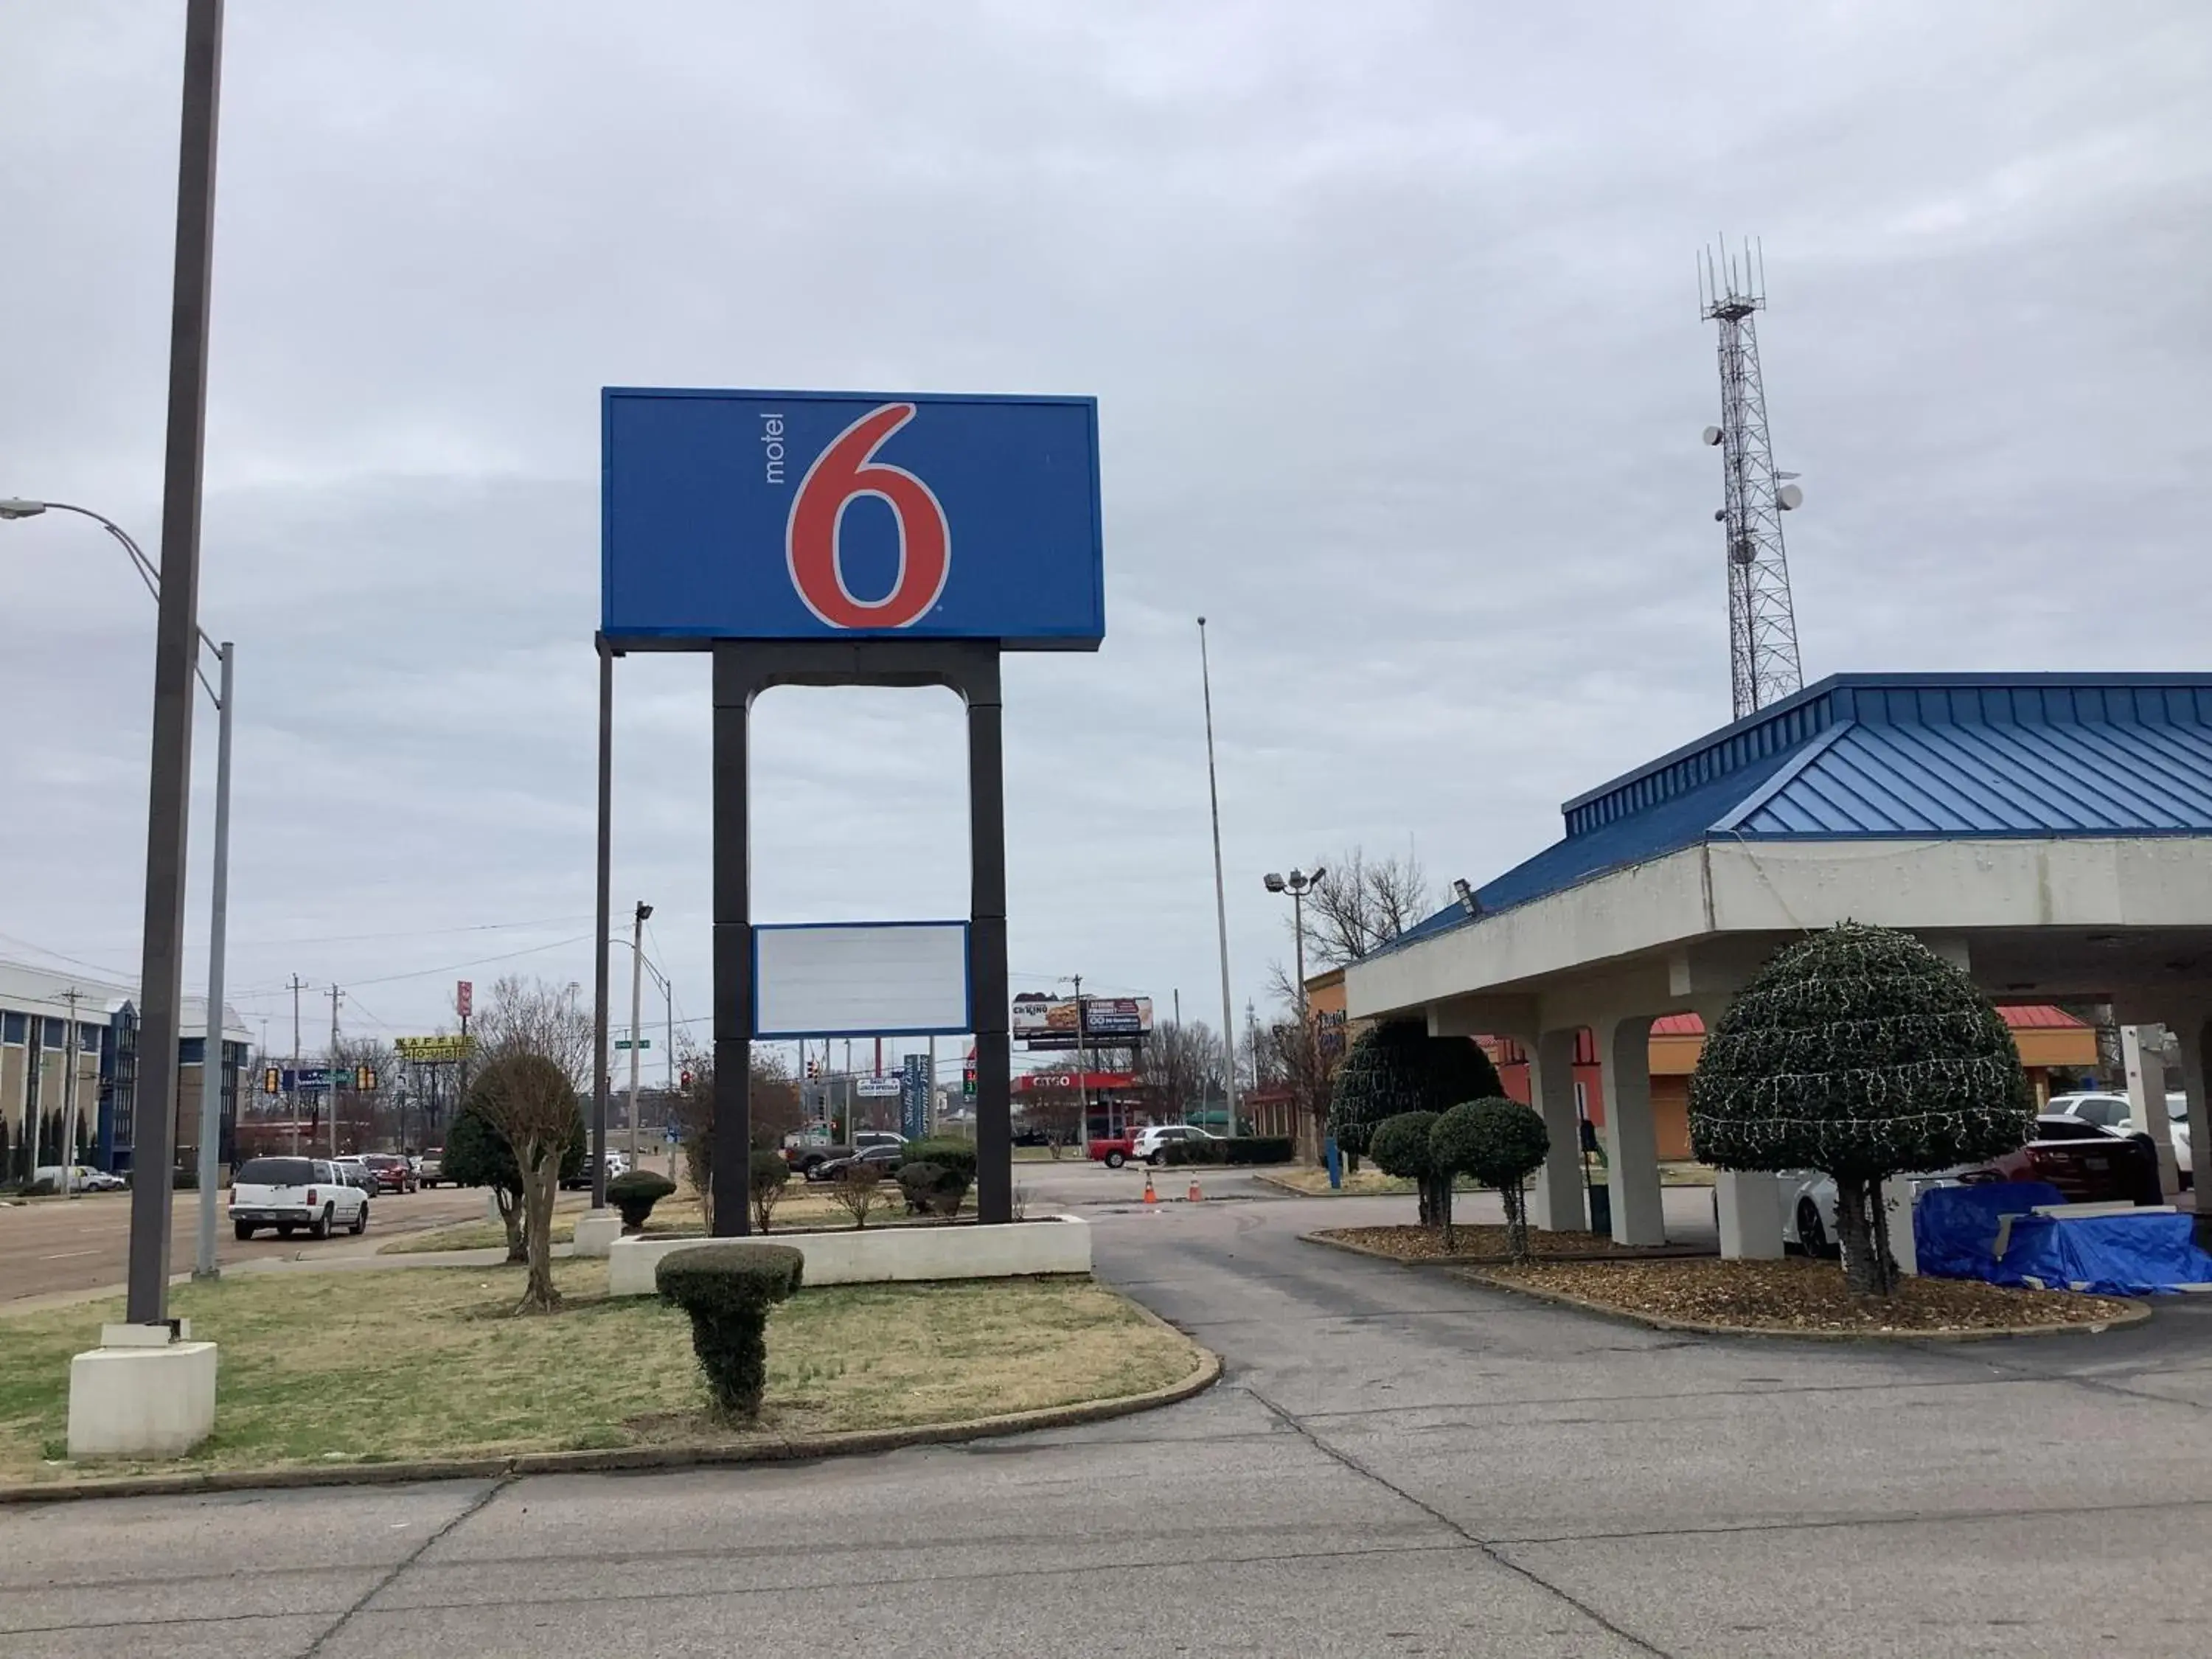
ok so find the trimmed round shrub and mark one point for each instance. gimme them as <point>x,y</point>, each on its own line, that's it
<point>727,1290</point>
<point>1860,1052</point>
<point>946,1153</point>
<point>1398,1066</point>
<point>1500,1143</point>
<point>635,1192</point>
<point>1399,1146</point>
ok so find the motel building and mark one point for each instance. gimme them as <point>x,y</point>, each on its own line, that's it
<point>54,1025</point>
<point>2050,834</point>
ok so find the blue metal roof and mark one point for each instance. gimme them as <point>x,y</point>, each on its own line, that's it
<point>1862,757</point>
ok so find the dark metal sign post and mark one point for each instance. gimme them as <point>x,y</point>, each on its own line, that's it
<point>744,669</point>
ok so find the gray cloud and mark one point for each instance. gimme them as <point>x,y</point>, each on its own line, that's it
<point>1391,317</point>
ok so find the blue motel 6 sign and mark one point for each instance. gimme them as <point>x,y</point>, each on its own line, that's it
<point>822,515</point>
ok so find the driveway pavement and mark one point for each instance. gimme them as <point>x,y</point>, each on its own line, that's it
<point>1397,1462</point>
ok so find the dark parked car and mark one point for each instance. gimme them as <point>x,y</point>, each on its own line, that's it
<point>393,1174</point>
<point>885,1160</point>
<point>2089,1163</point>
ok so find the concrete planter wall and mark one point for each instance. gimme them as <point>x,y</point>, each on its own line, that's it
<point>1053,1244</point>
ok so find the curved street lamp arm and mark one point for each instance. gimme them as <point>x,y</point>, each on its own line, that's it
<point>148,573</point>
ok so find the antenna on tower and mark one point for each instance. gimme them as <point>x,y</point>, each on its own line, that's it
<point>1762,665</point>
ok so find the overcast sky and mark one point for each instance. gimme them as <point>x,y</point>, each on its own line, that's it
<point>1391,315</point>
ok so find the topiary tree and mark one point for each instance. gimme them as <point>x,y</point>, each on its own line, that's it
<point>1500,1143</point>
<point>635,1193</point>
<point>946,1152</point>
<point>728,1289</point>
<point>1860,1052</point>
<point>476,1156</point>
<point>768,1178</point>
<point>1399,1146</point>
<point>1397,1066</point>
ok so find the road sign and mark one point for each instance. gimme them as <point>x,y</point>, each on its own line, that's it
<point>808,515</point>
<point>877,1088</point>
<point>914,1096</point>
<point>464,994</point>
<point>625,1043</point>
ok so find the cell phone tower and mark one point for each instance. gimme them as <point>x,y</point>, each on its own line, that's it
<point>1762,665</point>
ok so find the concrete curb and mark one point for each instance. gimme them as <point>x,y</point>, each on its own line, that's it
<point>1668,1253</point>
<point>2134,1316</point>
<point>627,1459</point>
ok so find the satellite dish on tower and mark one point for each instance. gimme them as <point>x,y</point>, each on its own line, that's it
<point>1789,498</point>
<point>1712,435</point>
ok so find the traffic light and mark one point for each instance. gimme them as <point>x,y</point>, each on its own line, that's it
<point>687,1079</point>
<point>270,1080</point>
<point>364,1077</point>
<point>813,1070</point>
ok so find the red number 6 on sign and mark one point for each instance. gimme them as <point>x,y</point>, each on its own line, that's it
<point>844,471</point>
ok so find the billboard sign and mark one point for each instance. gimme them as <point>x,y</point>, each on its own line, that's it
<point>1042,1021</point>
<point>860,979</point>
<point>876,1088</point>
<point>827,515</point>
<point>434,1050</point>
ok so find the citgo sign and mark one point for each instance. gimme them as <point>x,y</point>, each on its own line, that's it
<point>756,515</point>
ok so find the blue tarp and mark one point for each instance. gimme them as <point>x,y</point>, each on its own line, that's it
<point>1955,1229</point>
<point>1955,1232</point>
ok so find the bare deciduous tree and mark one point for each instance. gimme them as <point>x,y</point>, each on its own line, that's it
<point>858,1191</point>
<point>534,1051</point>
<point>1183,1064</point>
<point>776,1112</point>
<point>1362,904</point>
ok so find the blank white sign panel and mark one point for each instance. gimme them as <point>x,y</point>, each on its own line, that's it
<point>861,979</point>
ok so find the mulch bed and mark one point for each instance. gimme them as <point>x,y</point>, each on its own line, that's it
<point>1806,1297</point>
<point>1481,1242</point>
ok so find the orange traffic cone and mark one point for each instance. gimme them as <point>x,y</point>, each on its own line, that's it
<point>1196,1196</point>
<point>1151,1197</point>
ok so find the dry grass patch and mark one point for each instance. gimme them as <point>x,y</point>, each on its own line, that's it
<point>429,1363</point>
<point>1808,1298</point>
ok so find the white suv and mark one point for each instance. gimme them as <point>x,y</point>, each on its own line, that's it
<point>1151,1144</point>
<point>289,1194</point>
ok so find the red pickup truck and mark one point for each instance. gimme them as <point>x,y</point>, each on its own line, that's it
<point>1112,1150</point>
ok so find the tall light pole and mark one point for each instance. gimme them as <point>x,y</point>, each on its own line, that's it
<point>1298,884</point>
<point>1082,1066</point>
<point>203,1262</point>
<point>636,1012</point>
<point>667,1007</point>
<point>1220,893</point>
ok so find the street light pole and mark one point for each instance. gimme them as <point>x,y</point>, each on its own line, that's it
<point>211,1067</point>
<point>1298,884</point>
<point>636,1012</point>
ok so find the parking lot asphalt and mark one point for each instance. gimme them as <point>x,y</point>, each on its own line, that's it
<point>1396,1462</point>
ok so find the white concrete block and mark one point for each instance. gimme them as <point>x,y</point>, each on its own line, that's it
<point>595,1230</point>
<point>1751,1215</point>
<point>141,1401</point>
<point>1057,1245</point>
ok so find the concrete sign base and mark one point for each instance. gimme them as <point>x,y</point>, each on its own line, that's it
<point>141,1393</point>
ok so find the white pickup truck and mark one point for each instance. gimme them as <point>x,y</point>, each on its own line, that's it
<point>289,1194</point>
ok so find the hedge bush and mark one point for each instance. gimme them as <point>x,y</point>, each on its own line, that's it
<point>946,1154</point>
<point>1243,1150</point>
<point>727,1290</point>
<point>932,1189</point>
<point>635,1193</point>
<point>1398,1066</point>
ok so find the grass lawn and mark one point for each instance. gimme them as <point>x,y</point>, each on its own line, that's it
<point>802,1205</point>
<point>319,1370</point>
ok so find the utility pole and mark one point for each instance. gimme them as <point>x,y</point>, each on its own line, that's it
<point>1082,1068</point>
<point>292,1093</point>
<point>331,1070</point>
<point>636,1010</point>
